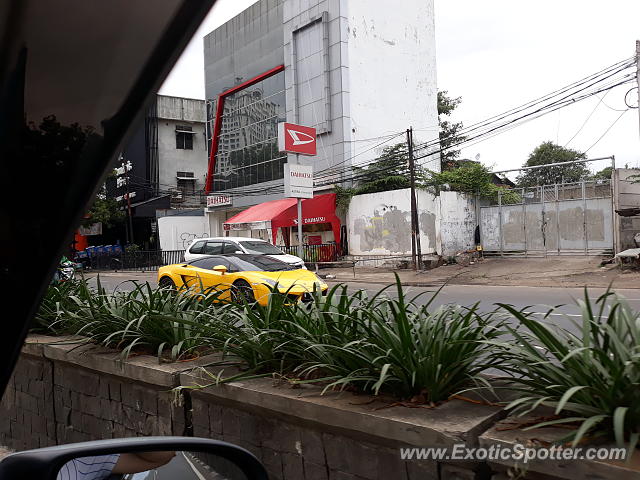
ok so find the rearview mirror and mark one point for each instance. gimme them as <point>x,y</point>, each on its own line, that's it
<point>220,269</point>
<point>143,458</point>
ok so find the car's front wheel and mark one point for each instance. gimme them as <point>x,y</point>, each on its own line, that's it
<point>242,292</point>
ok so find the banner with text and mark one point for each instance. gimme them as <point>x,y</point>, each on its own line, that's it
<point>298,181</point>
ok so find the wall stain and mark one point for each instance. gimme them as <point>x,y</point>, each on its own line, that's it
<point>427,222</point>
<point>388,229</point>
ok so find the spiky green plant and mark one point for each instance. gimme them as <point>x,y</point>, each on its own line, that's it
<point>397,346</point>
<point>590,377</point>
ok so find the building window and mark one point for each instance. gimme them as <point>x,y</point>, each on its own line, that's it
<point>186,182</point>
<point>184,137</point>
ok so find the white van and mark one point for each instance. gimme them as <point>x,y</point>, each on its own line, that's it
<point>201,247</point>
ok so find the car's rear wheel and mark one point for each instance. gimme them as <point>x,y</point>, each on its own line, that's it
<point>242,292</point>
<point>166,282</point>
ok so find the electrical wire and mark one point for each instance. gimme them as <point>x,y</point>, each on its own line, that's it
<point>606,131</point>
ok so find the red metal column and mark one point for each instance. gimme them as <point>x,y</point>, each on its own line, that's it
<point>215,138</point>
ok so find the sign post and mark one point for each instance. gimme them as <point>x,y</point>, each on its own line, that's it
<point>298,179</point>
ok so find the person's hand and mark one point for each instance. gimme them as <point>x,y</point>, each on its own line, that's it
<point>142,462</point>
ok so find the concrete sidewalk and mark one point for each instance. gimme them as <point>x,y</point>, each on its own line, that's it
<point>534,272</point>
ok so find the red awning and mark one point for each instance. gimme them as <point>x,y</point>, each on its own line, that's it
<point>264,212</point>
<point>284,213</point>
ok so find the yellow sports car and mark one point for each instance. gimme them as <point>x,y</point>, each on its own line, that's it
<point>242,277</point>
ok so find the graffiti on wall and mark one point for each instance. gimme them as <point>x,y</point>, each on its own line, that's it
<point>387,229</point>
<point>186,238</point>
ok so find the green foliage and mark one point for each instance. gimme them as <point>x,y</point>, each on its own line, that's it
<point>105,210</point>
<point>449,131</point>
<point>170,324</point>
<point>604,174</point>
<point>590,377</point>
<point>474,178</point>
<point>395,345</point>
<point>549,152</point>
<point>343,198</point>
<point>389,172</point>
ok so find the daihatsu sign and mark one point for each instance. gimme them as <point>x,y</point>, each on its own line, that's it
<point>294,138</point>
<point>298,181</point>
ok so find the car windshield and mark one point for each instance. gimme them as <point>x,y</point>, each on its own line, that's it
<point>248,263</point>
<point>264,248</point>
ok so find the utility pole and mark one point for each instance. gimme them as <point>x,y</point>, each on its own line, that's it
<point>131,240</point>
<point>638,75</point>
<point>416,251</point>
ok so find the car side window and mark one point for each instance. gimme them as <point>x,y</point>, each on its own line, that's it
<point>197,247</point>
<point>230,248</point>
<point>210,262</point>
<point>213,248</point>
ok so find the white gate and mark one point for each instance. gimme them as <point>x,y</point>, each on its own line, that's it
<point>561,219</point>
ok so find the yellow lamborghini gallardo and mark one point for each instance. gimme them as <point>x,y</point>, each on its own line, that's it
<point>242,277</point>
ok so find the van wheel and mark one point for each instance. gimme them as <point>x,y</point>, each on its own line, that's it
<point>242,292</point>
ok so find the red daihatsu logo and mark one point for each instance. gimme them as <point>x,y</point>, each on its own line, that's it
<point>296,139</point>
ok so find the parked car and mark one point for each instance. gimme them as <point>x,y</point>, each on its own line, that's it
<point>201,247</point>
<point>242,277</point>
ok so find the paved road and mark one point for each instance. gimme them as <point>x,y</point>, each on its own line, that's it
<point>538,299</point>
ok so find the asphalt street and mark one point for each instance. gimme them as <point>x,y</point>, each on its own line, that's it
<point>532,299</point>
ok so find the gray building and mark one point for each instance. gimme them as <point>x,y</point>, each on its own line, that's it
<point>359,71</point>
<point>181,150</point>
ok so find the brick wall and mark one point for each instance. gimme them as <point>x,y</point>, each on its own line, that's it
<point>62,394</point>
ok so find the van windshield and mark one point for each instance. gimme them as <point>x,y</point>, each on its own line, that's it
<point>263,248</point>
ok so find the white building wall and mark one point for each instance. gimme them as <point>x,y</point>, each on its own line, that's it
<point>331,79</point>
<point>458,222</point>
<point>174,111</point>
<point>380,223</point>
<point>392,72</point>
<point>177,231</point>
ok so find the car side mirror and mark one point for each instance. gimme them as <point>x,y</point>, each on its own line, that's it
<point>177,455</point>
<point>220,269</point>
<point>238,251</point>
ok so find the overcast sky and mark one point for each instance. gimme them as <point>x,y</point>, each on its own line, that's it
<point>498,54</point>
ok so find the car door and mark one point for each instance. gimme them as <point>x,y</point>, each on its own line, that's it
<point>231,247</point>
<point>213,247</point>
<point>204,278</point>
<point>195,250</point>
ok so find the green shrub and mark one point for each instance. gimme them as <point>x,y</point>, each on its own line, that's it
<point>590,378</point>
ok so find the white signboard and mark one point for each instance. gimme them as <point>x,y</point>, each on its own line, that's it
<point>218,200</point>
<point>298,181</point>
<point>93,229</point>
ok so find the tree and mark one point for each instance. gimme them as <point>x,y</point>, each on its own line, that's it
<point>549,152</point>
<point>104,209</point>
<point>449,131</point>
<point>473,178</point>
<point>388,172</point>
<point>604,174</point>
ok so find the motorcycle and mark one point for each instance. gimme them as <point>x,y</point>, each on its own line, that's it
<point>65,272</point>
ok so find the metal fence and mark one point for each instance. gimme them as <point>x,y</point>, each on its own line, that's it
<point>145,260</point>
<point>326,252</point>
<point>561,219</point>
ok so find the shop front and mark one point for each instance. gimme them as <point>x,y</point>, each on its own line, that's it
<point>278,219</point>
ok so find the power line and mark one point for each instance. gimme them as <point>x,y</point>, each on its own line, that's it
<point>606,131</point>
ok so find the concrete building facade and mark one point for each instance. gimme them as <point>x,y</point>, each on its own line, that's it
<point>359,71</point>
<point>181,150</point>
